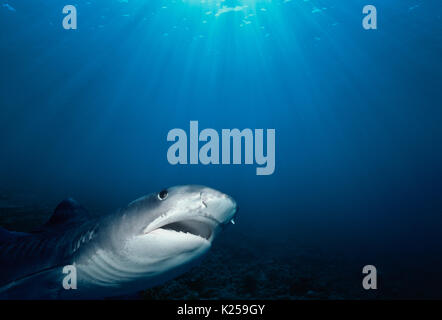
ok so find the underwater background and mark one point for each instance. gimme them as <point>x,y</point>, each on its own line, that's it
<point>358,117</point>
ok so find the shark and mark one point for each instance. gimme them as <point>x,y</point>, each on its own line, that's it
<point>152,240</point>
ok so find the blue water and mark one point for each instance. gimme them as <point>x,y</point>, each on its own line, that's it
<point>357,113</point>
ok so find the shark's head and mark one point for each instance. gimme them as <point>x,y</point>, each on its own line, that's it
<point>179,223</point>
<point>159,236</point>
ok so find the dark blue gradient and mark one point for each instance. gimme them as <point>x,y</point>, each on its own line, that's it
<point>85,113</point>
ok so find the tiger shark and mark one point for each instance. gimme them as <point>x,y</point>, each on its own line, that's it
<point>154,239</point>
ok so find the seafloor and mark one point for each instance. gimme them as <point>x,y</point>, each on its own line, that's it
<point>240,265</point>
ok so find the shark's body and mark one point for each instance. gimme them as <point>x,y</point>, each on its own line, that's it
<point>152,240</point>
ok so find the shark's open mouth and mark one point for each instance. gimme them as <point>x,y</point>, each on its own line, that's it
<point>197,228</point>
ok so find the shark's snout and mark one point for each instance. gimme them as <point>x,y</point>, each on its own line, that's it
<point>221,207</point>
<point>194,210</point>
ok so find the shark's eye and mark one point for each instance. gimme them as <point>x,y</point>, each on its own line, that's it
<point>162,195</point>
